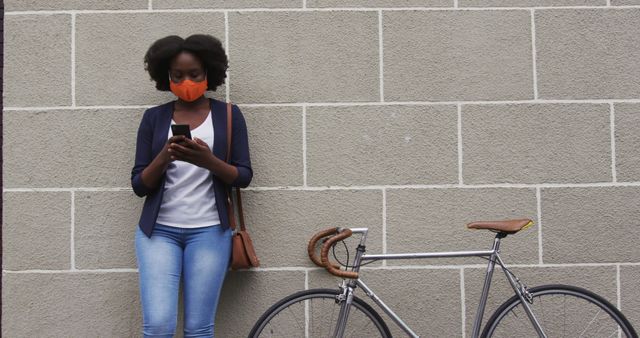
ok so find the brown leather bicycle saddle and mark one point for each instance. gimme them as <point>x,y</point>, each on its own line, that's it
<point>510,226</point>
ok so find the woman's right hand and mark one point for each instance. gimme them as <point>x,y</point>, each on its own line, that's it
<point>152,174</point>
<point>164,153</point>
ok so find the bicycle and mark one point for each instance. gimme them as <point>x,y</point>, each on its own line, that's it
<point>292,316</point>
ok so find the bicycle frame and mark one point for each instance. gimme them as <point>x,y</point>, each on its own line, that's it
<point>493,254</point>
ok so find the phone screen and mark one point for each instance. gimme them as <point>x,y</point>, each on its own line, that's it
<point>181,129</point>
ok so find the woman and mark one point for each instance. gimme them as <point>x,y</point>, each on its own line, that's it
<point>184,226</point>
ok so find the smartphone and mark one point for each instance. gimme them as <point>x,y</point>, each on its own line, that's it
<point>181,129</point>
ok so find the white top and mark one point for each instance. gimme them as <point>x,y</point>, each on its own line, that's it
<point>188,199</point>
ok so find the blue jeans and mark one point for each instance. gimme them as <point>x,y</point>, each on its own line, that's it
<point>202,256</point>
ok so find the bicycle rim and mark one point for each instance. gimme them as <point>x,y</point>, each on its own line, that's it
<point>314,313</point>
<point>562,311</point>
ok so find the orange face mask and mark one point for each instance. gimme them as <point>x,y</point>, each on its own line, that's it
<point>188,90</point>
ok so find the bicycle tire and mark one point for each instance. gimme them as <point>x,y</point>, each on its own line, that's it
<point>577,294</point>
<point>327,294</point>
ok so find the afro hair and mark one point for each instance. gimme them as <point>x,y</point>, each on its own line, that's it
<point>206,48</point>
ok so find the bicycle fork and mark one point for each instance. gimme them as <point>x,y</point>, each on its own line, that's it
<point>345,298</point>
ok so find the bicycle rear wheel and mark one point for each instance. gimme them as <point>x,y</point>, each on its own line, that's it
<point>562,311</point>
<point>314,313</point>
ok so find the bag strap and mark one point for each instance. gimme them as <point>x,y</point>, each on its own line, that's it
<point>232,219</point>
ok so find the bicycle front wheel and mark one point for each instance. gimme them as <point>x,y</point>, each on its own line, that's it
<point>562,311</point>
<point>314,313</point>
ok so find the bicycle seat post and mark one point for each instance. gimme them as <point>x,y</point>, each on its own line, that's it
<point>496,241</point>
<point>475,331</point>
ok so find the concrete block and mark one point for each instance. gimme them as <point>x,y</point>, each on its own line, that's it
<point>590,224</point>
<point>587,53</point>
<point>36,230</point>
<point>366,145</point>
<point>105,225</point>
<point>37,60</point>
<point>275,143</point>
<point>536,143</point>
<point>457,55</point>
<point>295,56</point>
<point>71,304</point>
<point>73,148</point>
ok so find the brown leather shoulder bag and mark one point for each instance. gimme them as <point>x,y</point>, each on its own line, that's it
<point>243,255</point>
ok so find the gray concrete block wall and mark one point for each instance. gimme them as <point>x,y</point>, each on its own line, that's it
<point>410,117</point>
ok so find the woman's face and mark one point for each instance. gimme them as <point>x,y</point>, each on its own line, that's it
<point>186,66</point>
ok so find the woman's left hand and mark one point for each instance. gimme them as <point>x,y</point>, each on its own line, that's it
<point>194,151</point>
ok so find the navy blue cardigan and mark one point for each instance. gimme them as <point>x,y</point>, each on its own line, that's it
<point>152,136</point>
